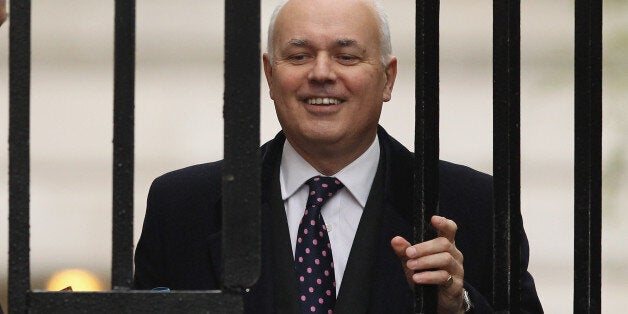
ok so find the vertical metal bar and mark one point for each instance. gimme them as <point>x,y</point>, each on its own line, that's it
<point>123,144</point>
<point>426,140</point>
<point>506,152</point>
<point>588,157</point>
<point>242,167</point>
<point>19,154</point>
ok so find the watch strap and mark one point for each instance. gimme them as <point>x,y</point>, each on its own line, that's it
<point>468,305</point>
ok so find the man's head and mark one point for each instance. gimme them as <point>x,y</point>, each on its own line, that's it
<point>384,30</point>
<point>328,75</point>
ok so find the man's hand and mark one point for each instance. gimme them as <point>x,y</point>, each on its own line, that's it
<point>438,262</point>
<point>3,11</point>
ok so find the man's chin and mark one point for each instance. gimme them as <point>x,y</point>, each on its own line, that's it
<point>325,133</point>
<point>317,138</point>
<point>323,139</point>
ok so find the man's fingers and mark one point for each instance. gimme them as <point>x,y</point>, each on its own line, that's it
<point>436,277</point>
<point>433,246</point>
<point>400,245</point>
<point>446,227</point>
<point>435,261</point>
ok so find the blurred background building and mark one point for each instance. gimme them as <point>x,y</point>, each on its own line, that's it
<point>179,122</point>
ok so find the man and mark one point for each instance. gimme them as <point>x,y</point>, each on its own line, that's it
<point>329,69</point>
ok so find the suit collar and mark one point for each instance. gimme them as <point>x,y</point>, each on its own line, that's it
<point>356,177</point>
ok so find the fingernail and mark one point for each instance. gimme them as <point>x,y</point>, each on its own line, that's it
<point>411,251</point>
<point>417,277</point>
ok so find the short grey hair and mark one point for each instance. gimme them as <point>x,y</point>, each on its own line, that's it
<point>384,31</point>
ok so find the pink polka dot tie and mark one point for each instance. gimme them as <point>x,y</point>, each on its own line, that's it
<point>313,261</point>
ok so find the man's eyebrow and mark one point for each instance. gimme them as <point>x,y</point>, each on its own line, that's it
<point>298,42</point>
<point>346,42</point>
<point>342,42</point>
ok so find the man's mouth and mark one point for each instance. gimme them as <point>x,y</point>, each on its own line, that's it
<point>324,101</point>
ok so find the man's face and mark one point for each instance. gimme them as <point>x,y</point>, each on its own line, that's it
<point>326,78</point>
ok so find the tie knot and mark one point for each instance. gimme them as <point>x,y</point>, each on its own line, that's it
<point>321,189</point>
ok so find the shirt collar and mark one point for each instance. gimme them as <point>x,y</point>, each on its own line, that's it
<point>357,176</point>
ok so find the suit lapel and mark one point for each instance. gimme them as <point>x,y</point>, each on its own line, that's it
<point>284,277</point>
<point>374,281</point>
<point>355,289</point>
<point>284,285</point>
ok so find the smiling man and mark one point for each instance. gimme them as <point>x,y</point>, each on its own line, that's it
<point>328,78</point>
<point>337,193</point>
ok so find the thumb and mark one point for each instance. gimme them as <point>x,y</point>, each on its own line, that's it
<point>399,245</point>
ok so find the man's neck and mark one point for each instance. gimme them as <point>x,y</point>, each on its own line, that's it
<point>329,159</point>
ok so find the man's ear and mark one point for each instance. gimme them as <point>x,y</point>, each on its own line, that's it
<point>391,75</point>
<point>268,72</point>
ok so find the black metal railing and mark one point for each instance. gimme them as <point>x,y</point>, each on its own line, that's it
<point>242,166</point>
<point>19,154</point>
<point>241,179</point>
<point>588,158</point>
<point>506,151</point>
<point>123,145</point>
<point>426,140</point>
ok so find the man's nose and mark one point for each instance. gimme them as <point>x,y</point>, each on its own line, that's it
<point>322,70</point>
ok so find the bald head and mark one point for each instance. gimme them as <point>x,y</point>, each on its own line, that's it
<point>377,11</point>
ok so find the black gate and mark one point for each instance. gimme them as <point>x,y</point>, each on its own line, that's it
<point>241,180</point>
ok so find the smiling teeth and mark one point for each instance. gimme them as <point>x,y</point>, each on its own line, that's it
<point>323,101</point>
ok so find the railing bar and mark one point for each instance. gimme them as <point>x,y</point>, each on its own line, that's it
<point>588,157</point>
<point>516,223</point>
<point>123,144</point>
<point>506,156</point>
<point>19,154</point>
<point>426,141</point>
<point>135,302</point>
<point>242,166</point>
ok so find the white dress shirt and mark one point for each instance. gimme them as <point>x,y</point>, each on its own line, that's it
<point>342,212</point>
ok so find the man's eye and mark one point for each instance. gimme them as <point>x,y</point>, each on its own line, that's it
<point>348,59</point>
<point>297,58</point>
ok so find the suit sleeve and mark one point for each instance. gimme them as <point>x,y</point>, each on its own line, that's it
<point>149,264</point>
<point>466,196</point>
<point>530,302</point>
<point>180,243</point>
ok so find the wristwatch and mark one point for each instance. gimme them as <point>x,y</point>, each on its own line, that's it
<point>466,301</point>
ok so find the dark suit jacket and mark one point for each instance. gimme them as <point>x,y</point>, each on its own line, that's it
<point>180,243</point>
